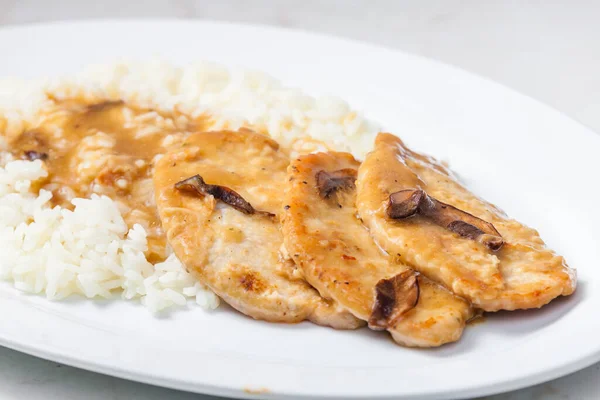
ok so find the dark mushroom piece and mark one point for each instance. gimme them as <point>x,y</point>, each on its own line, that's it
<point>330,182</point>
<point>105,104</point>
<point>32,155</point>
<point>196,184</point>
<point>406,203</point>
<point>394,297</point>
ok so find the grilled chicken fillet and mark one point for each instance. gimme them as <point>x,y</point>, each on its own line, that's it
<point>324,236</point>
<point>218,196</point>
<point>439,235</point>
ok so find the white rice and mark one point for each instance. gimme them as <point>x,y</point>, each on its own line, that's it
<point>90,251</point>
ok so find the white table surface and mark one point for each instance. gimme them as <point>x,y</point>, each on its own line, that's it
<point>547,50</point>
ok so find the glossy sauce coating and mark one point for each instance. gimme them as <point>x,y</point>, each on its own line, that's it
<point>107,148</point>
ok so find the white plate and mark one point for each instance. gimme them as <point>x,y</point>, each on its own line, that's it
<point>534,162</point>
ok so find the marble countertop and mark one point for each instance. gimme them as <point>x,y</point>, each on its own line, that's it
<point>547,50</point>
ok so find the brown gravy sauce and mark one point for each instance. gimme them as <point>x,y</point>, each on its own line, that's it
<point>107,148</point>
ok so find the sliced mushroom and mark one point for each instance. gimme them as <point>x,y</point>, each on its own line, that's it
<point>394,297</point>
<point>105,104</point>
<point>32,155</point>
<point>196,184</point>
<point>406,203</point>
<point>330,182</point>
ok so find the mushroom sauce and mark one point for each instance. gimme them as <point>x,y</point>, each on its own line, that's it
<point>108,148</point>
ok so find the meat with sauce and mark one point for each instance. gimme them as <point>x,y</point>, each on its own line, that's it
<point>218,196</point>
<point>340,259</point>
<point>495,262</point>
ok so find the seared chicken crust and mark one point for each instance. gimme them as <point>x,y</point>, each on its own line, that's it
<point>522,274</point>
<point>237,255</point>
<point>324,236</point>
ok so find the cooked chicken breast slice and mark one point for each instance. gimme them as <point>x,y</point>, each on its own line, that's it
<point>324,236</point>
<point>231,250</point>
<point>523,273</point>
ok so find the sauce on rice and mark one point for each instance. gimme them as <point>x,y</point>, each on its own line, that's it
<point>107,148</point>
